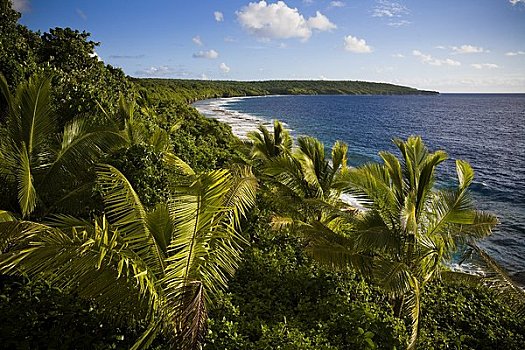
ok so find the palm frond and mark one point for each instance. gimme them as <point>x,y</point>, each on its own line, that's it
<point>193,316</point>
<point>128,215</point>
<point>178,164</point>
<point>481,225</point>
<point>340,258</point>
<point>280,222</point>
<point>204,250</point>
<point>339,155</point>
<point>393,166</point>
<point>241,196</point>
<point>95,263</point>
<point>160,225</point>
<point>394,277</point>
<point>497,276</point>
<point>148,336</point>
<point>372,234</point>
<point>26,190</point>
<point>33,112</point>
<point>6,216</point>
<point>82,146</point>
<point>465,173</point>
<point>6,93</point>
<point>160,140</point>
<point>425,180</point>
<point>14,233</point>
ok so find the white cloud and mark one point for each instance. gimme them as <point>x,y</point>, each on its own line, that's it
<point>197,40</point>
<point>278,21</point>
<point>320,22</point>
<point>484,65</point>
<point>204,77</point>
<point>81,14</point>
<point>337,4</point>
<point>516,2</point>
<point>515,53</point>
<point>468,49</point>
<point>229,39</point>
<point>21,5</point>
<point>356,45</point>
<point>219,17</point>
<point>389,9</point>
<point>223,67</point>
<point>210,54</point>
<point>398,55</point>
<point>127,57</point>
<point>428,59</point>
<point>400,23</point>
<point>162,71</point>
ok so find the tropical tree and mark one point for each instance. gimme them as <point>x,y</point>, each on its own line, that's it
<point>305,182</point>
<point>164,266</point>
<point>44,165</point>
<point>266,146</point>
<point>410,228</point>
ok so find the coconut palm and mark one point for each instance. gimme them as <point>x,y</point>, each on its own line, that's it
<point>45,165</point>
<point>266,146</point>
<point>163,266</point>
<point>134,129</point>
<point>305,181</point>
<point>410,228</point>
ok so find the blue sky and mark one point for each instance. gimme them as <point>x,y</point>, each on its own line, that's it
<point>449,46</point>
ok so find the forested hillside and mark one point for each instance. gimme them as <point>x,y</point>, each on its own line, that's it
<point>192,90</point>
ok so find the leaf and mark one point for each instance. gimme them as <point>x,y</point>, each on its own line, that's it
<point>82,146</point>
<point>128,215</point>
<point>178,163</point>
<point>465,173</point>
<point>26,189</point>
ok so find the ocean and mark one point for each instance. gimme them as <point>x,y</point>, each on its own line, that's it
<point>488,130</point>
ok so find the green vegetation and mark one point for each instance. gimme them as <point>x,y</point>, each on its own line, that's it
<point>128,220</point>
<point>192,90</point>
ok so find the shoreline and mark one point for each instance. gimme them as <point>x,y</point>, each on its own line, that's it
<point>242,123</point>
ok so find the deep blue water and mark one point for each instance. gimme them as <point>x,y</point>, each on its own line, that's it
<point>488,130</point>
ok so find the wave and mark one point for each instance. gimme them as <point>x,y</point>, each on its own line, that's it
<point>241,123</point>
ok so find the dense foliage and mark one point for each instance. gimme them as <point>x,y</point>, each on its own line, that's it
<point>127,219</point>
<point>34,315</point>
<point>457,315</point>
<point>192,90</point>
<point>280,298</point>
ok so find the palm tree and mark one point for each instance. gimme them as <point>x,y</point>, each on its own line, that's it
<point>164,265</point>
<point>266,146</point>
<point>306,181</point>
<point>40,161</point>
<point>409,228</point>
<point>134,130</point>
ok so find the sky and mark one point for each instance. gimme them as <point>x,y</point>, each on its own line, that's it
<point>446,45</point>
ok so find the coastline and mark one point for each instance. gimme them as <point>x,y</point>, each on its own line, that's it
<point>243,123</point>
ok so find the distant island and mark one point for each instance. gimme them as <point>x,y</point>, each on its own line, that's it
<point>192,90</point>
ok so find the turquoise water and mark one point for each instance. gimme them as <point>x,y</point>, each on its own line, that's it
<point>488,130</point>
